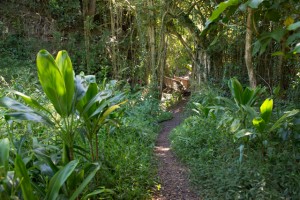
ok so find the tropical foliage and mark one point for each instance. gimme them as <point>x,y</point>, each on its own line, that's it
<point>86,129</point>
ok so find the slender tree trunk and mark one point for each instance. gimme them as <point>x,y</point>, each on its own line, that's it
<point>162,49</point>
<point>113,37</point>
<point>151,39</point>
<point>88,9</point>
<point>248,49</point>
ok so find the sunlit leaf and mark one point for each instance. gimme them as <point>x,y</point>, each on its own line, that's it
<point>266,110</point>
<point>52,81</point>
<point>64,65</point>
<point>259,123</point>
<point>110,110</point>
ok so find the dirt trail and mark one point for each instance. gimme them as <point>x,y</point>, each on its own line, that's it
<point>173,175</point>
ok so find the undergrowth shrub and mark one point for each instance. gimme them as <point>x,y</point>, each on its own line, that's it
<point>222,168</point>
<point>124,168</point>
<point>128,152</point>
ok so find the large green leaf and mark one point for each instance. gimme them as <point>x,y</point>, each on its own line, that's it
<point>14,105</point>
<point>247,96</point>
<point>85,182</point>
<point>220,9</point>
<point>4,153</point>
<point>52,82</point>
<point>64,64</point>
<point>47,159</point>
<point>22,174</point>
<point>28,116</point>
<point>236,90</point>
<point>31,102</point>
<point>97,99</point>
<point>91,92</point>
<point>59,179</point>
<point>266,110</point>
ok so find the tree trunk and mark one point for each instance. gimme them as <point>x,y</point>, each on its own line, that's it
<point>248,49</point>
<point>162,52</point>
<point>151,37</point>
<point>113,37</point>
<point>88,10</point>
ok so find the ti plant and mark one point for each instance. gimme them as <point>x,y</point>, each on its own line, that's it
<point>239,111</point>
<point>263,124</point>
<point>66,94</point>
<point>57,80</point>
<point>94,108</point>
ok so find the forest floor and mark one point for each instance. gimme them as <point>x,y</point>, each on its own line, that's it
<point>173,175</point>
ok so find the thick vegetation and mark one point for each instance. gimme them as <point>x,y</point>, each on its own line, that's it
<point>86,129</point>
<point>89,139</point>
<point>239,147</point>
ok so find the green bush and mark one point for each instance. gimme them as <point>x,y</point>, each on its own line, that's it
<point>223,167</point>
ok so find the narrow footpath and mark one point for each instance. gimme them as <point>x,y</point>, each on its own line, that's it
<point>173,175</point>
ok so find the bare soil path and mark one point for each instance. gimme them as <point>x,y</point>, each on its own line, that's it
<point>173,175</point>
